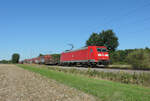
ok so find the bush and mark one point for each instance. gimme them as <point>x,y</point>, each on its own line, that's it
<point>139,59</point>
<point>119,56</point>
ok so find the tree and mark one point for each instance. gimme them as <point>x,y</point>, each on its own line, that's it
<point>118,57</point>
<point>93,40</point>
<point>109,39</point>
<point>41,55</point>
<point>15,58</point>
<point>105,38</point>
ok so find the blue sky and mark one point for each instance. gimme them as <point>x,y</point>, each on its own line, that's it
<point>30,27</point>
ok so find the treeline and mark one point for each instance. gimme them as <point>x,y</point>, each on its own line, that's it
<point>138,58</point>
<point>5,61</point>
<point>14,60</point>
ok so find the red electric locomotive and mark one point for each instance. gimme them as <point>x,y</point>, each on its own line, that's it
<point>91,55</point>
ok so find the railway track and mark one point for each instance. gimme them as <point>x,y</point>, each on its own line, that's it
<point>105,69</point>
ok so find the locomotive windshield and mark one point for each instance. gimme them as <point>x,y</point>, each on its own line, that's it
<point>101,49</point>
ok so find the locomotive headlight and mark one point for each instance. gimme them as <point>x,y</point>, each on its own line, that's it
<point>99,54</point>
<point>106,55</point>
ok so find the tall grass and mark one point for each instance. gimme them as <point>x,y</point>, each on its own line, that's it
<point>123,77</point>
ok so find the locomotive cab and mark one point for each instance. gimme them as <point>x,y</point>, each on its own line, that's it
<point>102,55</point>
<point>98,55</point>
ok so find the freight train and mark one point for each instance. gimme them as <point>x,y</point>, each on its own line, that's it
<point>45,59</point>
<point>91,55</point>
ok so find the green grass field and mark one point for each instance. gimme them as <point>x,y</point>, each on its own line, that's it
<point>102,89</point>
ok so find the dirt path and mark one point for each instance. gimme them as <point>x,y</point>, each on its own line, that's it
<point>17,84</point>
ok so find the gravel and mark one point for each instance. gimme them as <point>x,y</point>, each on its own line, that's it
<point>17,84</point>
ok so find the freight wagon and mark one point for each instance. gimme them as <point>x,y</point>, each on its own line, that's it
<point>91,55</point>
<point>45,59</point>
<point>36,60</point>
<point>52,59</point>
